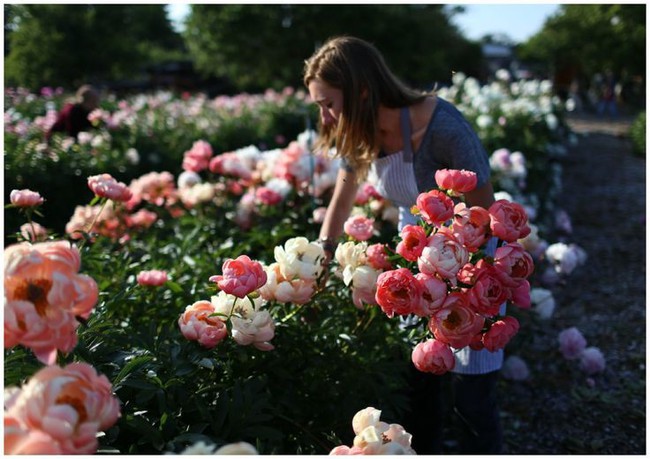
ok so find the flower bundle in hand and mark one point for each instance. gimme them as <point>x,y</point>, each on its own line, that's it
<point>447,271</point>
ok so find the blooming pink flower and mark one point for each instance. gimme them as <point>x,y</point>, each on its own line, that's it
<point>319,214</point>
<point>198,324</point>
<point>433,356</point>
<point>153,278</point>
<point>520,295</point>
<point>435,207</point>
<point>509,221</point>
<point>267,196</point>
<point>198,157</point>
<point>456,181</point>
<point>25,198</point>
<point>377,257</point>
<point>455,323</point>
<point>241,276</point>
<point>366,192</point>
<point>106,186</point>
<point>398,292</point>
<point>20,439</point>
<point>592,361</point>
<point>44,294</point>
<point>70,405</point>
<point>433,294</point>
<point>359,227</point>
<point>490,289</point>
<point>500,333</point>
<point>514,260</point>
<point>572,343</point>
<point>472,224</point>
<point>414,239</point>
<point>142,219</point>
<point>33,232</point>
<point>444,254</point>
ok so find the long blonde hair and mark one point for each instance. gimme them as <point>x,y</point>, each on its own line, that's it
<point>358,69</point>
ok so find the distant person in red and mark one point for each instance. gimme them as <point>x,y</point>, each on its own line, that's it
<point>73,117</point>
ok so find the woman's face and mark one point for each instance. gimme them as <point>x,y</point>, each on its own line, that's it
<point>329,99</point>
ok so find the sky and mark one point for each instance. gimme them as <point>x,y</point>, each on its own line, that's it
<point>519,21</point>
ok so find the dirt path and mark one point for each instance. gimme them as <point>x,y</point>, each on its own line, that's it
<point>560,410</point>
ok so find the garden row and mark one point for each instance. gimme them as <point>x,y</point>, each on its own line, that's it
<point>179,361</point>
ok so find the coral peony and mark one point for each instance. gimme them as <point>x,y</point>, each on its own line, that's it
<point>398,292</point>
<point>435,207</point>
<point>433,356</point>
<point>198,324</point>
<point>241,276</point>
<point>456,181</point>
<point>153,278</point>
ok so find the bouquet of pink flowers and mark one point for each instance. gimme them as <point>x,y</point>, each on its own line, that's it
<point>448,270</point>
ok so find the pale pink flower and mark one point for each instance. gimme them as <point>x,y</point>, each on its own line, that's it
<point>413,240</point>
<point>456,323</point>
<point>22,440</point>
<point>500,333</point>
<point>364,285</point>
<point>359,227</point>
<point>364,418</point>
<point>444,255</point>
<point>456,181</point>
<point>155,187</point>
<point>230,164</point>
<point>256,328</point>
<point>33,232</point>
<point>25,198</point>
<point>515,369</point>
<point>366,192</point>
<point>283,289</point>
<point>344,450</point>
<point>433,294</point>
<point>319,214</point>
<point>44,292</point>
<point>572,343</point>
<point>592,361</point>
<point>472,224</point>
<point>433,356</point>
<point>509,221</point>
<point>105,186</point>
<point>435,207</point>
<point>152,278</point>
<point>70,404</point>
<point>241,276</point>
<point>198,324</point>
<point>142,219</point>
<point>377,257</point>
<point>398,292</point>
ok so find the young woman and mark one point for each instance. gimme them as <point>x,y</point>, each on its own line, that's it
<point>403,136</point>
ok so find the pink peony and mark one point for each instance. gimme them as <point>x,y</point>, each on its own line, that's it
<point>520,295</point>
<point>434,293</point>
<point>592,361</point>
<point>198,324</point>
<point>43,295</point>
<point>456,181</point>
<point>377,257</point>
<point>33,232</point>
<point>153,278</point>
<point>444,255</point>
<point>490,289</point>
<point>500,333</point>
<point>509,221</point>
<point>433,356</point>
<point>472,224</point>
<point>572,343</point>
<point>19,439</point>
<point>319,214</point>
<point>359,227</point>
<point>513,259</point>
<point>70,405</point>
<point>106,186</point>
<point>267,196</point>
<point>240,276</point>
<point>456,323</point>
<point>25,198</point>
<point>198,157</point>
<point>435,207</point>
<point>398,292</point>
<point>414,239</point>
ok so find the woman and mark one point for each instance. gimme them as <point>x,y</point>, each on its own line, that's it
<point>403,136</point>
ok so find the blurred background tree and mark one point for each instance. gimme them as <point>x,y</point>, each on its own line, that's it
<point>582,40</point>
<point>67,45</point>
<point>260,46</point>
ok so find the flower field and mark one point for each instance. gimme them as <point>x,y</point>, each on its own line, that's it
<point>163,289</point>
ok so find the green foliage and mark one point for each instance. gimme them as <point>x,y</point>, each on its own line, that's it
<point>81,42</point>
<point>261,46</point>
<point>594,37</point>
<point>638,134</point>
